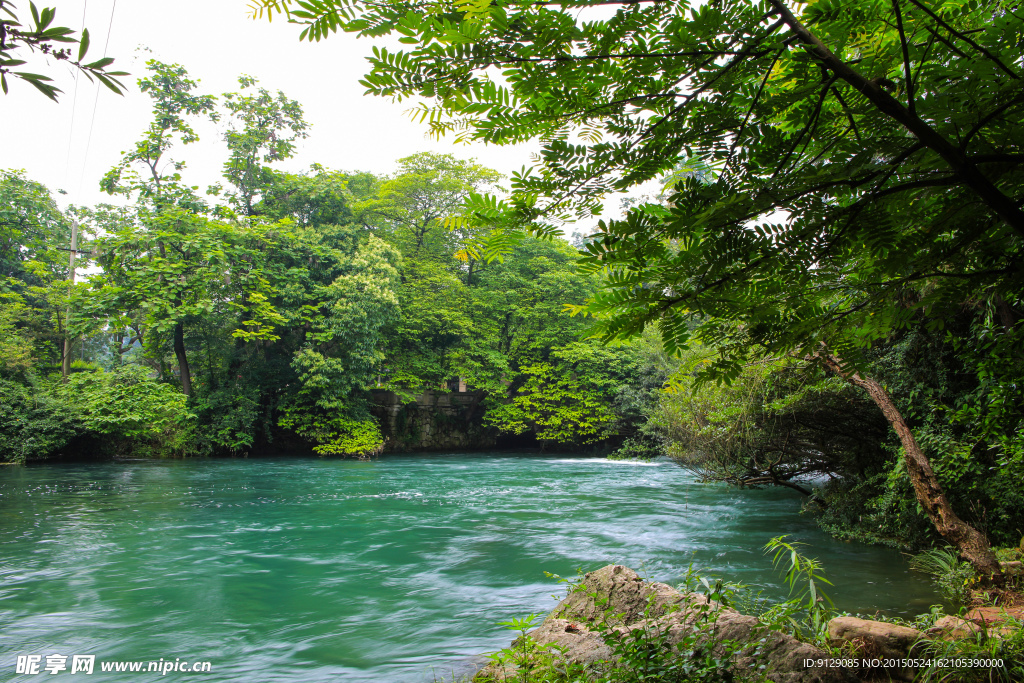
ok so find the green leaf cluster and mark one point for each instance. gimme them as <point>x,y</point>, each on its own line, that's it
<point>18,39</point>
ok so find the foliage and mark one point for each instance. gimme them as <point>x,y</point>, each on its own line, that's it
<point>176,265</point>
<point>953,576</point>
<point>95,412</point>
<point>173,102</point>
<point>269,128</point>
<point>17,39</point>
<point>956,402</point>
<point>15,347</point>
<point>773,425</point>
<point>32,229</point>
<point>34,236</point>
<point>125,403</point>
<point>33,424</point>
<point>644,652</point>
<point>566,399</point>
<point>641,652</point>
<point>335,435</point>
<point>943,394</point>
<point>281,304</point>
<point>949,661</point>
<point>323,198</point>
<point>774,119</point>
<point>803,576</point>
<point>522,656</point>
<point>414,206</point>
<point>364,303</point>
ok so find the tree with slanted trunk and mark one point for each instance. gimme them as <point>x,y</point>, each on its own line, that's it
<point>858,164</point>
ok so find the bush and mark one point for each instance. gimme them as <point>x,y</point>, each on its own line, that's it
<point>33,423</point>
<point>117,411</point>
<point>952,661</point>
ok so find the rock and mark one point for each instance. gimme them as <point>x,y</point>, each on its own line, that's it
<point>880,638</point>
<point>618,598</point>
<point>1012,568</point>
<point>992,616</point>
<point>877,639</point>
<point>952,628</point>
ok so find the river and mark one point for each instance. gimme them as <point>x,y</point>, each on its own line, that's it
<point>298,569</point>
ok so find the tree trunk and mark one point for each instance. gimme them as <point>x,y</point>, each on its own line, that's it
<point>972,544</point>
<point>179,352</point>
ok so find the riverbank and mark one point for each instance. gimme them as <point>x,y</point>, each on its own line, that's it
<point>613,626</point>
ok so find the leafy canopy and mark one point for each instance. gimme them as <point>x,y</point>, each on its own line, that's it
<point>843,167</point>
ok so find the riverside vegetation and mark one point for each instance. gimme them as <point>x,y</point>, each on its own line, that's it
<point>692,636</point>
<point>826,296</point>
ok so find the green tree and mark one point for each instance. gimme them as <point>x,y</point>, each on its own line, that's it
<point>569,398</point>
<point>268,127</point>
<point>856,164</point>
<point>32,229</point>
<point>342,352</point>
<point>35,237</point>
<point>159,185</point>
<point>169,269</point>
<point>159,191</point>
<point>18,39</point>
<point>323,197</point>
<point>414,207</point>
<point>776,424</point>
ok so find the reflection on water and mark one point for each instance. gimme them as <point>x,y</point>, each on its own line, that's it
<point>315,570</point>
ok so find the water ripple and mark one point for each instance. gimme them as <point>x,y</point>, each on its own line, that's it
<point>312,570</point>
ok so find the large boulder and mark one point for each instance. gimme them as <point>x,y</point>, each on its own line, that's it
<point>877,640</point>
<point>616,599</point>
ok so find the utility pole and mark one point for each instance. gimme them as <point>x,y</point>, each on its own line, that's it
<point>66,360</point>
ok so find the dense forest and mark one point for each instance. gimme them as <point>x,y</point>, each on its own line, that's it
<point>865,368</point>
<point>267,310</point>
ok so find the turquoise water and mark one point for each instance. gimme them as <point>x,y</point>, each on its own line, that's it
<point>335,570</point>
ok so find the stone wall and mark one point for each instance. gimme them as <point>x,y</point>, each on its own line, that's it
<point>435,421</point>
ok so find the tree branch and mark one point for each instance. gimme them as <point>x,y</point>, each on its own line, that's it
<point>991,195</point>
<point>964,38</point>
<point>907,74</point>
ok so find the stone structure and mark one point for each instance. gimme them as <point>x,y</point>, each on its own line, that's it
<point>436,420</point>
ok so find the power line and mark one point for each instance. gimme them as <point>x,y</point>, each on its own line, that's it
<point>74,103</point>
<point>96,98</point>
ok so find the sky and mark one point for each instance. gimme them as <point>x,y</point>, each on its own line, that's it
<point>71,144</point>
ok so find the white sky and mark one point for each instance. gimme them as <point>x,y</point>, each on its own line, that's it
<point>216,41</point>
